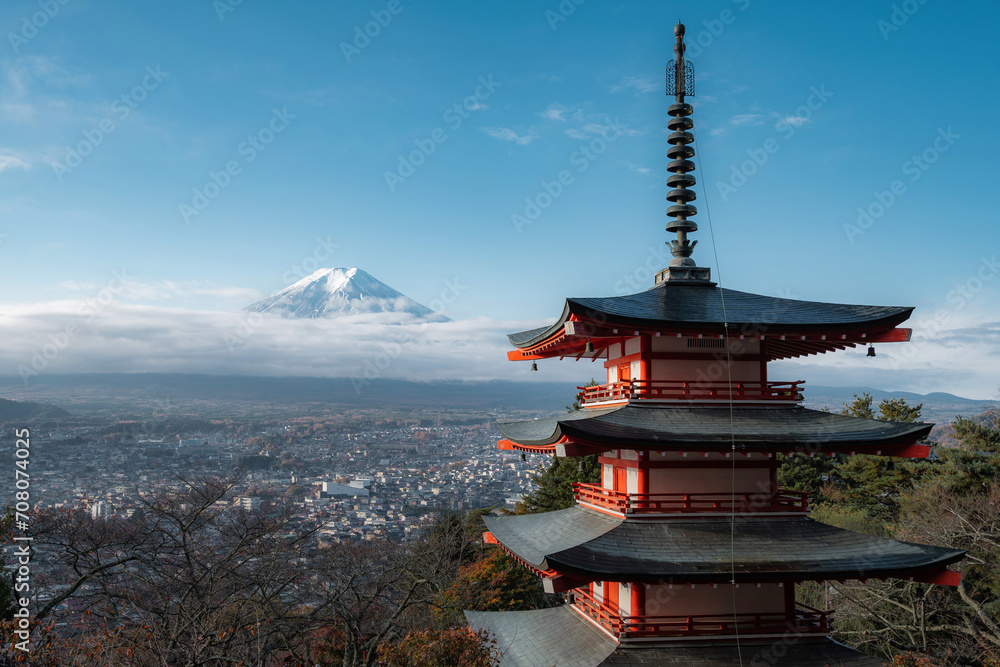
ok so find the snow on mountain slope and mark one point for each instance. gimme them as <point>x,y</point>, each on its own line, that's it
<point>334,292</point>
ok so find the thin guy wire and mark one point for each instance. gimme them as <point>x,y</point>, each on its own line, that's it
<point>732,418</point>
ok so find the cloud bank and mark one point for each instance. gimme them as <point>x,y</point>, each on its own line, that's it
<point>959,354</point>
<point>80,336</point>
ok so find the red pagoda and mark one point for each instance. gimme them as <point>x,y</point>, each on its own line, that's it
<point>687,552</point>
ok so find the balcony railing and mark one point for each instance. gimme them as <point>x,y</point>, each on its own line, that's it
<point>805,620</point>
<point>693,390</point>
<point>666,503</point>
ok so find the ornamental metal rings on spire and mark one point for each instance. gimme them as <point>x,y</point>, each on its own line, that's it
<point>686,76</point>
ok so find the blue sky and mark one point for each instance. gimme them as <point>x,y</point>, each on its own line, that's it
<point>230,147</point>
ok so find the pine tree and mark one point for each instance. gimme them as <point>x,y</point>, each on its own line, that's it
<point>555,485</point>
<point>873,483</point>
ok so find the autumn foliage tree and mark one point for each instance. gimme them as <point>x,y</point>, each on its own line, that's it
<point>453,647</point>
<point>494,583</point>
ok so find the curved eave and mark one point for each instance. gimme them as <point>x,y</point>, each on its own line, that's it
<point>532,337</point>
<point>792,328</point>
<point>588,545</point>
<point>714,428</point>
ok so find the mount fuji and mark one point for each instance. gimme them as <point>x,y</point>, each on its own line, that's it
<point>335,292</point>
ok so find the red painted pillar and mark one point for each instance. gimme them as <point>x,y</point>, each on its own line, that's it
<point>638,605</point>
<point>645,358</point>
<point>642,477</point>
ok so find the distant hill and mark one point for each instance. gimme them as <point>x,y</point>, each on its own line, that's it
<point>11,410</point>
<point>95,393</point>
<point>939,407</point>
<point>148,393</point>
<point>945,433</point>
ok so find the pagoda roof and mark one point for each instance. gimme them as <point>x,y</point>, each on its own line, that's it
<point>647,425</point>
<point>594,546</point>
<point>703,308</point>
<point>561,636</point>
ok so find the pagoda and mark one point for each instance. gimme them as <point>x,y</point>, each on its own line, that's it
<point>687,552</point>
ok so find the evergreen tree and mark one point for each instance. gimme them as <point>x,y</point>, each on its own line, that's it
<point>555,485</point>
<point>975,463</point>
<point>873,483</point>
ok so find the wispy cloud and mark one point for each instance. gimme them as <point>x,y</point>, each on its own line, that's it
<point>755,119</point>
<point>748,119</point>
<point>12,160</point>
<point>507,134</point>
<point>170,290</point>
<point>645,171</point>
<point>555,112</point>
<point>31,83</point>
<point>587,124</point>
<point>791,121</point>
<point>639,84</point>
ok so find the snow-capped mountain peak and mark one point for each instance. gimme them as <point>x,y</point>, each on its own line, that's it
<point>332,292</point>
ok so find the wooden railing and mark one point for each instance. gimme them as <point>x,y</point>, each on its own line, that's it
<point>663,503</point>
<point>693,390</point>
<point>805,620</point>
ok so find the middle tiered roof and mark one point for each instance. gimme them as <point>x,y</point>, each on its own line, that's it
<point>644,425</point>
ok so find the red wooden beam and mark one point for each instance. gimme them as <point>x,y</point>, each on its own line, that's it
<point>511,445</point>
<point>575,334</point>
<point>890,336</point>
<point>914,451</point>
<point>940,577</point>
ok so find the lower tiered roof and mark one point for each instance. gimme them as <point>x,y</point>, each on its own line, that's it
<point>765,428</point>
<point>590,545</point>
<point>561,636</point>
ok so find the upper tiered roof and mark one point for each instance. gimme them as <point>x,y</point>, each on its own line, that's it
<point>791,327</point>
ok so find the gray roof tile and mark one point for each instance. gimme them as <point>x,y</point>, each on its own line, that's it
<point>559,637</point>
<point>581,541</point>
<point>698,306</point>
<point>652,426</point>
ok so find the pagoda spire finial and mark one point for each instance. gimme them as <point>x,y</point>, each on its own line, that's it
<point>680,83</point>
